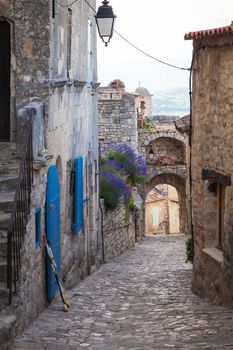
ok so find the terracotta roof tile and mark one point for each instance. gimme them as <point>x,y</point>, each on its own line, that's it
<point>209,32</point>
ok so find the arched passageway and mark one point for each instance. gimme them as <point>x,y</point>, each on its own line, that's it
<point>179,184</point>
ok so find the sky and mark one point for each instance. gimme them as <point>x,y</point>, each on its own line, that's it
<point>157,27</point>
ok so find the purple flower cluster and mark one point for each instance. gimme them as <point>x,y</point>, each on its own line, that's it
<point>137,160</point>
<point>119,187</point>
<point>112,163</point>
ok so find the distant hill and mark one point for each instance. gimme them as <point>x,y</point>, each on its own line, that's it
<point>171,102</point>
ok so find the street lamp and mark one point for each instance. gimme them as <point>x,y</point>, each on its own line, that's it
<point>151,154</point>
<point>105,19</point>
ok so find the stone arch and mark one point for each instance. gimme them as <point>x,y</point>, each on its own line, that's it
<point>173,134</point>
<point>180,185</point>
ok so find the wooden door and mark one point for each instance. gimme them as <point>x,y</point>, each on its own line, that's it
<point>5,55</point>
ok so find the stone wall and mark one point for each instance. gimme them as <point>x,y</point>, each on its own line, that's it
<point>119,232</point>
<point>212,150</point>
<point>117,116</point>
<point>29,52</point>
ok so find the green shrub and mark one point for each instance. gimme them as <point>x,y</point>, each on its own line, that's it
<point>189,250</point>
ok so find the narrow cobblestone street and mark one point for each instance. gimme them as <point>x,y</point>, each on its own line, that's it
<point>141,300</point>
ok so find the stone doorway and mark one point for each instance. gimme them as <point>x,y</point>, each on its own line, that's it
<point>162,211</point>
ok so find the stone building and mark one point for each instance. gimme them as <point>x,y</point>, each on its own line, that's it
<point>211,163</point>
<point>162,211</point>
<point>49,131</point>
<point>117,115</point>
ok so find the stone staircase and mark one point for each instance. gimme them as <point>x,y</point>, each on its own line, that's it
<point>9,165</point>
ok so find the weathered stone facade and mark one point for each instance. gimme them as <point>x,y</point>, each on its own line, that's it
<point>53,64</point>
<point>211,162</point>
<point>117,116</point>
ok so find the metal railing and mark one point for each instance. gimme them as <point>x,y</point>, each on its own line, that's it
<point>21,208</point>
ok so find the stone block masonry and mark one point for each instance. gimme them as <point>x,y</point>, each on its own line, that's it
<point>118,232</point>
<point>212,151</point>
<point>117,116</point>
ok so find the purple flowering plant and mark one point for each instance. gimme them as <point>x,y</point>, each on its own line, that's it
<point>121,168</point>
<point>128,162</point>
<point>112,187</point>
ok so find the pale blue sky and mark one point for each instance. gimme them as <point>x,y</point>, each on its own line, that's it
<point>157,27</point>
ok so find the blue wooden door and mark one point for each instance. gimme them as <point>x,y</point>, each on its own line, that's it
<point>53,226</point>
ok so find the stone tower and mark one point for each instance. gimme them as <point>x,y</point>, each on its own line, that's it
<point>143,102</point>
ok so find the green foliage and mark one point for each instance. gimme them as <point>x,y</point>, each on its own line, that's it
<point>189,250</point>
<point>110,200</point>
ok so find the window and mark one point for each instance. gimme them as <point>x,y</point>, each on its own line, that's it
<point>77,224</point>
<point>155,216</point>
<point>37,227</point>
<point>220,214</point>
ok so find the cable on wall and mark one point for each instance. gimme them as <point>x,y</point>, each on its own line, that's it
<point>68,5</point>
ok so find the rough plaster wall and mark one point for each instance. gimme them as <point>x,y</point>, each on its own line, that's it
<point>162,228</point>
<point>212,149</point>
<point>32,275</point>
<point>73,129</point>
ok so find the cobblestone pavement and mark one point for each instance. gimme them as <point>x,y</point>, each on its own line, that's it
<point>141,300</point>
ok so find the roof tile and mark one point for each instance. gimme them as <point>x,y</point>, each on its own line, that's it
<point>209,32</point>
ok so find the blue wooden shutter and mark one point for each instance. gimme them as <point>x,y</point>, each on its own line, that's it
<point>78,195</point>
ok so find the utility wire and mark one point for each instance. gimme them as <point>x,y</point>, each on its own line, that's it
<point>148,55</point>
<point>140,50</point>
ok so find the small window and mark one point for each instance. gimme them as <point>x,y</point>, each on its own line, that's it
<point>220,214</point>
<point>77,224</point>
<point>37,226</point>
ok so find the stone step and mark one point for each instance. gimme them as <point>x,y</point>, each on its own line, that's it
<point>7,331</point>
<point>4,294</point>
<point>6,201</point>
<point>8,181</point>
<point>3,271</point>
<point>9,166</point>
<point>3,249</point>
<point>4,220</point>
<point>3,234</point>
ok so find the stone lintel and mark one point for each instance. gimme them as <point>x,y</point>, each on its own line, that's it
<point>214,176</point>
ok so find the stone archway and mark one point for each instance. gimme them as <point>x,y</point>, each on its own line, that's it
<point>180,185</point>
